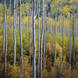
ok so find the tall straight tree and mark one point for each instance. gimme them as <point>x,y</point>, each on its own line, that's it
<point>20,29</point>
<point>4,25</point>
<point>60,25</point>
<point>14,27</point>
<point>6,49</point>
<point>38,6</point>
<point>29,41</point>
<point>70,40</point>
<point>40,73</point>
<point>73,47</point>
<point>63,39</point>
<point>70,51</point>
<point>55,37</point>
<point>4,38</point>
<point>44,29</point>
<point>34,49</point>
<point>10,13</point>
<point>27,18</point>
<point>41,39</point>
<point>17,22</point>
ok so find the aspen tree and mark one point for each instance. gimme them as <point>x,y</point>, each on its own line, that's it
<point>4,38</point>
<point>38,6</point>
<point>10,13</point>
<point>63,40</point>
<point>41,40</point>
<point>14,30</point>
<point>55,37</point>
<point>34,49</point>
<point>73,47</point>
<point>20,29</point>
<point>70,50</point>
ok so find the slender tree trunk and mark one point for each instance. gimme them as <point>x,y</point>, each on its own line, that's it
<point>4,25</point>
<point>76,29</point>
<point>4,38</point>
<point>55,37</point>
<point>34,49</point>
<point>10,14</point>
<point>70,41</point>
<point>35,7</point>
<point>14,27</point>
<point>70,46</point>
<point>27,18</point>
<point>6,52</point>
<point>29,42</point>
<point>20,29</point>
<point>17,22</point>
<point>60,26</point>
<point>41,40</point>
<point>63,40</point>
<point>73,47</point>
<point>38,37</point>
<point>28,28</point>
<point>44,51</point>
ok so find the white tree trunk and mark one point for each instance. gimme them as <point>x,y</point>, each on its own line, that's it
<point>34,49</point>
<point>20,29</point>
<point>14,27</point>
<point>38,4</point>
<point>55,37</point>
<point>63,40</point>
<point>4,38</point>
